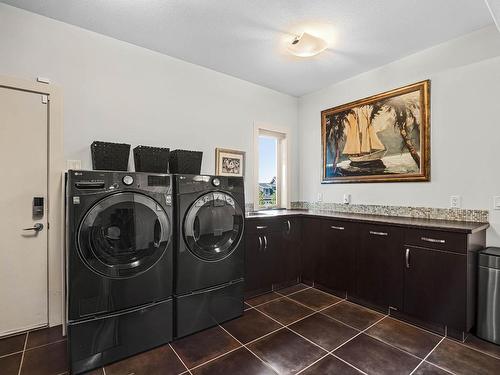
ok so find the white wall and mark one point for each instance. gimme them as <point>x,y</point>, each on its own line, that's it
<point>465,127</point>
<point>115,91</point>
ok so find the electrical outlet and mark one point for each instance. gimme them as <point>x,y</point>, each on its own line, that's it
<point>455,201</point>
<point>347,198</point>
<point>73,164</point>
<point>320,197</point>
<point>496,202</point>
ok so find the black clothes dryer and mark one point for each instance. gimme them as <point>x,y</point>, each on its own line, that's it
<point>119,264</point>
<point>209,251</point>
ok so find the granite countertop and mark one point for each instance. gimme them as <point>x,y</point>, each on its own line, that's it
<point>446,225</point>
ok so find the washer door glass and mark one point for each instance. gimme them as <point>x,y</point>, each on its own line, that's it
<point>123,235</point>
<point>213,226</point>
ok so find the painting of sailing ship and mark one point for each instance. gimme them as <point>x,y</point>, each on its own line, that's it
<point>382,138</point>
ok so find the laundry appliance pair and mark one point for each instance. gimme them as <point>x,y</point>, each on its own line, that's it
<point>149,258</point>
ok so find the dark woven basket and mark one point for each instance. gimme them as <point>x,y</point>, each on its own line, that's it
<point>151,159</point>
<point>109,156</point>
<point>185,162</point>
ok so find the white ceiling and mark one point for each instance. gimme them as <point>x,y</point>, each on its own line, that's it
<point>247,38</point>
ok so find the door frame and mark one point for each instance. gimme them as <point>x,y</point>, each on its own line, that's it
<point>55,191</point>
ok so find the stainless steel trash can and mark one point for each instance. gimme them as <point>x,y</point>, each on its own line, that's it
<point>488,309</point>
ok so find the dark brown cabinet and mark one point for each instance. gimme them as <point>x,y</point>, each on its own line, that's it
<point>434,286</point>
<point>257,264</point>
<point>336,261</point>
<point>289,253</point>
<point>427,276</point>
<point>379,270</point>
<point>272,253</point>
<point>311,248</point>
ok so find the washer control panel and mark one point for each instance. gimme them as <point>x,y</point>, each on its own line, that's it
<point>128,180</point>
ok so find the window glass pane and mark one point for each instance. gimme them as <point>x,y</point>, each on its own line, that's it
<point>268,171</point>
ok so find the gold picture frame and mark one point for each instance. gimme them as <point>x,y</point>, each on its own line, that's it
<point>229,162</point>
<point>381,138</point>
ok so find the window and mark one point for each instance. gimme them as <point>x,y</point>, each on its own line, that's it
<point>271,176</point>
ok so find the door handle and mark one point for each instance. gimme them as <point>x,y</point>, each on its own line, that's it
<point>265,242</point>
<point>260,243</point>
<point>37,227</point>
<point>407,258</point>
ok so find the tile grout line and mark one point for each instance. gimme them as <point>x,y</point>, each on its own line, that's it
<point>41,346</point>
<point>6,355</point>
<point>352,338</point>
<point>215,358</point>
<point>347,363</point>
<point>24,350</point>
<point>470,347</point>
<point>180,359</point>
<point>428,354</point>
<point>415,326</point>
<point>302,318</point>
<point>362,331</point>
<point>280,295</point>
<point>247,348</point>
<point>312,364</point>
<point>297,291</point>
<point>441,368</point>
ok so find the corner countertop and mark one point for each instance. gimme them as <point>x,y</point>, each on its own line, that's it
<point>446,225</point>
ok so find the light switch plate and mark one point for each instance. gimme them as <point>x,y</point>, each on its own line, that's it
<point>455,201</point>
<point>496,202</point>
<point>320,197</point>
<point>347,198</point>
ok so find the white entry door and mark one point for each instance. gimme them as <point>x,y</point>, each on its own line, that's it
<point>23,232</point>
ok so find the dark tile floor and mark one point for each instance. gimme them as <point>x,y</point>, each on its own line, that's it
<point>295,330</point>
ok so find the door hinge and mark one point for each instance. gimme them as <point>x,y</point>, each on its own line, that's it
<point>45,99</point>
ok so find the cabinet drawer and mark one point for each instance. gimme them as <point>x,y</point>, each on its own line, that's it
<point>381,232</point>
<point>337,226</point>
<point>439,240</point>
<point>263,226</point>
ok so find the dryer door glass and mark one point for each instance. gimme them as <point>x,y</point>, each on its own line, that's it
<point>213,226</point>
<point>123,235</point>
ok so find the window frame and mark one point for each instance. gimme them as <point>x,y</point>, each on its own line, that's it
<point>282,161</point>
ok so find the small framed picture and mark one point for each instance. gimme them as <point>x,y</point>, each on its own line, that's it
<point>229,162</point>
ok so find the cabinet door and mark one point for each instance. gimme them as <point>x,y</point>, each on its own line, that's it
<point>435,286</point>
<point>337,260</point>
<point>257,267</point>
<point>380,266</point>
<point>289,250</point>
<point>310,248</point>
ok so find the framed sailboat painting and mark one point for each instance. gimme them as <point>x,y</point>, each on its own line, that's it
<point>383,138</point>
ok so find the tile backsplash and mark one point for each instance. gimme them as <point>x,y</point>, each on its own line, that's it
<point>455,214</point>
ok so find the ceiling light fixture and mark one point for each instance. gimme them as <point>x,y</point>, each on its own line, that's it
<point>307,45</point>
<point>494,7</point>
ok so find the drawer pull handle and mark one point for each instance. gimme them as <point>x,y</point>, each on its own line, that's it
<point>261,226</point>
<point>433,240</point>
<point>379,233</point>
<point>337,228</point>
